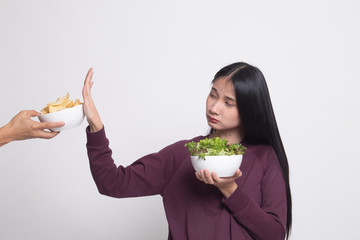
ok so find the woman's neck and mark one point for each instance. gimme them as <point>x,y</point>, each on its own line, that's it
<point>231,135</point>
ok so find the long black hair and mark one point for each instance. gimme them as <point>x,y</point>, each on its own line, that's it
<point>257,116</point>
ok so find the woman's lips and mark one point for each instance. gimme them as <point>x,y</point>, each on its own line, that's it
<point>213,120</point>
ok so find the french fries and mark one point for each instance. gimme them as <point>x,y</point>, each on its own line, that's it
<point>60,104</point>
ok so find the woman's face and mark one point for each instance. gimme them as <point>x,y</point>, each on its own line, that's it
<point>221,108</point>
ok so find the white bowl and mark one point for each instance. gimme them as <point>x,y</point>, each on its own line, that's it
<point>224,166</point>
<point>72,117</point>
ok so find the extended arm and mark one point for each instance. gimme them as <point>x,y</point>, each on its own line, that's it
<point>146,176</point>
<point>22,127</point>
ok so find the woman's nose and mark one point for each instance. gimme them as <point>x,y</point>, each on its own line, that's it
<point>214,108</point>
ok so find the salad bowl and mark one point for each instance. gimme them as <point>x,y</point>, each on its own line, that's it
<point>223,166</point>
<point>216,155</point>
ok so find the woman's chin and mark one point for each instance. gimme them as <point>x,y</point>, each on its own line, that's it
<point>214,126</point>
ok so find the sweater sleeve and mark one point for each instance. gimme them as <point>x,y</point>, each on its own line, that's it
<point>146,176</point>
<point>267,220</point>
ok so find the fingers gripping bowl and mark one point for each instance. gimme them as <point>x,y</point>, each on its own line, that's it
<point>63,110</point>
<point>216,155</point>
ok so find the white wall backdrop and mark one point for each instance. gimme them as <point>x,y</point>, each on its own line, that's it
<point>153,64</point>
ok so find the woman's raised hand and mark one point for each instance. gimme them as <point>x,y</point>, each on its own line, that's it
<point>90,111</point>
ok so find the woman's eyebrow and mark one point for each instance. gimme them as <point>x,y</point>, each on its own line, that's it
<point>214,89</point>
<point>227,97</point>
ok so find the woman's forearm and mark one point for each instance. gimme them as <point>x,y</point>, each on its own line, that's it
<point>5,135</point>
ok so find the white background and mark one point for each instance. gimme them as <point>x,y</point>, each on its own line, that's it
<point>153,64</point>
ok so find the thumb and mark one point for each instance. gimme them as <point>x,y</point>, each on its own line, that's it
<point>32,113</point>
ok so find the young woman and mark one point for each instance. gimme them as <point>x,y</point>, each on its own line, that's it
<point>253,204</point>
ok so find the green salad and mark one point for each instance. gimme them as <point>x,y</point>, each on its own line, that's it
<point>214,147</point>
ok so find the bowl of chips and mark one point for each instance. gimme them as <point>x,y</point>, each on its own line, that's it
<point>63,110</point>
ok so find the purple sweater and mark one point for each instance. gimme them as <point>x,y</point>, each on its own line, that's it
<point>195,210</point>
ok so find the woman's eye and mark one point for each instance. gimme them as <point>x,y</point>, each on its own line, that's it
<point>212,95</point>
<point>229,104</point>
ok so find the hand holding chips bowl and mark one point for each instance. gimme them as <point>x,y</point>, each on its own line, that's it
<point>63,110</point>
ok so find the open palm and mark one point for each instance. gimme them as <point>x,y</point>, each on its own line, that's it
<point>90,111</point>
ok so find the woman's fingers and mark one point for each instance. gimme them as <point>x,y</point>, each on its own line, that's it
<point>208,177</point>
<point>205,177</point>
<point>212,178</point>
<point>197,175</point>
<point>92,115</point>
<point>201,176</point>
<point>88,84</point>
<point>88,76</point>
<point>238,174</point>
<point>217,180</point>
<point>227,185</point>
<point>88,103</point>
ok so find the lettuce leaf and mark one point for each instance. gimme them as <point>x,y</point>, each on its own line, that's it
<point>214,147</point>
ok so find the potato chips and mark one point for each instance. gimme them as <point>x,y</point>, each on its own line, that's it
<point>60,104</point>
